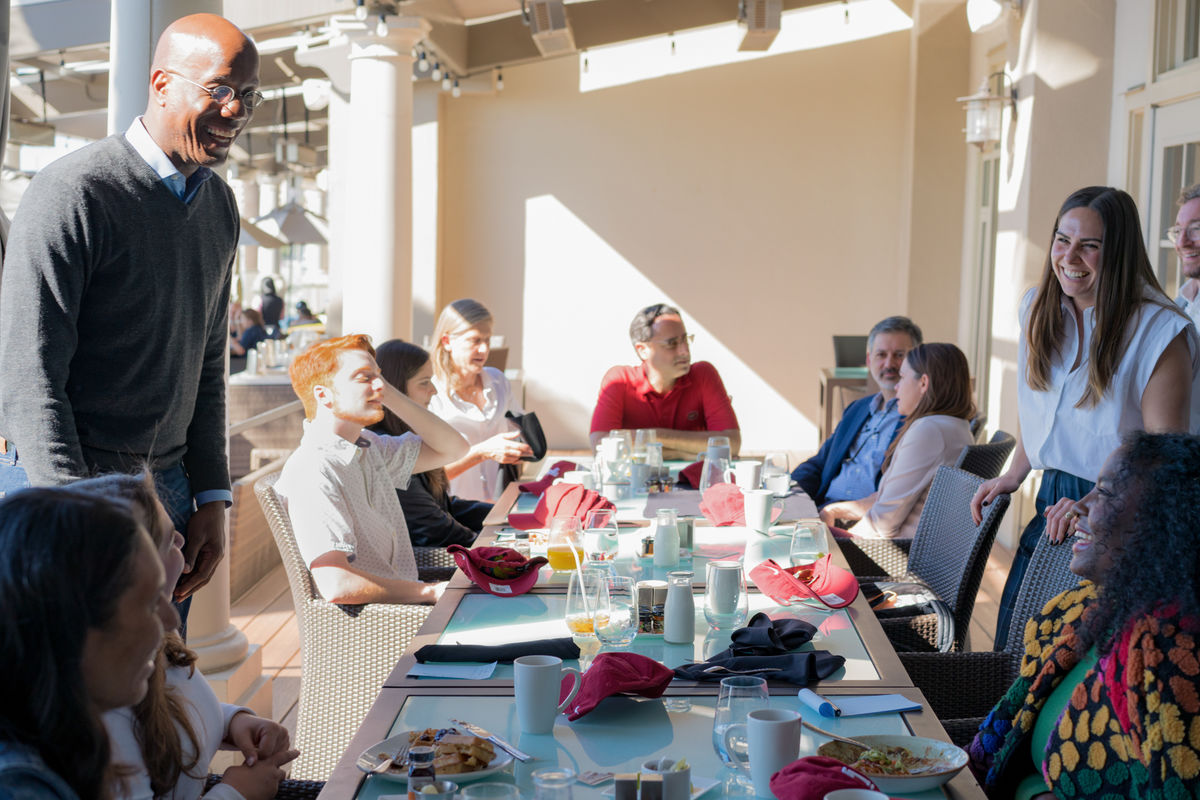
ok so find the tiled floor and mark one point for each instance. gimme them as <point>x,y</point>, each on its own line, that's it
<point>265,614</point>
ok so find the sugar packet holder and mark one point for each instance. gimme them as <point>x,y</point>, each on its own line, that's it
<point>856,705</point>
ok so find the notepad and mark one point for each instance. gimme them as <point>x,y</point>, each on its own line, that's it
<point>471,672</point>
<point>857,705</point>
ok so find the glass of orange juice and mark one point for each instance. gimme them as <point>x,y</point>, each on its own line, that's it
<point>565,549</point>
<point>586,593</point>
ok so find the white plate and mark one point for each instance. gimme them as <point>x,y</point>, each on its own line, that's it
<point>699,787</point>
<point>954,757</point>
<point>371,758</point>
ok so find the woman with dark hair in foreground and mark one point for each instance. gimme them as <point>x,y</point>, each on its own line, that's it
<point>435,518</point>
<point>1106,704</point>
<point>81,588</point>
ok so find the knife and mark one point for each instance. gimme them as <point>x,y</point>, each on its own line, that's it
<point>483,733</point>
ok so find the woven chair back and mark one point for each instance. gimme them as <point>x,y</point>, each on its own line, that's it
<point>986,460</point>
<point>1048,574</point>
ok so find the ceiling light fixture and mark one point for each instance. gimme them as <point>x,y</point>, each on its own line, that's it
<point>360,10</point>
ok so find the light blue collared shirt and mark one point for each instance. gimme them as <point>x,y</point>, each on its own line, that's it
<point>856,479</point>
<point>185,189</point>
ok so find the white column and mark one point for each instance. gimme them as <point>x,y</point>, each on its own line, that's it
<point>249,209</point>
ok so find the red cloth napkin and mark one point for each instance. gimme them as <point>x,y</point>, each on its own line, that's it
<point>723,504</point>
<point>689,476</point>
<point>813,777</point>
<point>501,571</point>
<point>559,469</point>
<point>560,500</point>
<point>615,673</point>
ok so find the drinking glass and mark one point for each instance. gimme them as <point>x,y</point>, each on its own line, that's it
<point>491,791</point>
<point>641,438</point>
<point>775,464</point>
<point>739,695</point>
<point>726,602</point>
<point>553,783</point>
<point>714,469</point>
<point>600,542</point>
<point>565,545</point>
<point>615,620</point>
<point>809,541</point>
<point>584,594</point>
<point>721,445</point>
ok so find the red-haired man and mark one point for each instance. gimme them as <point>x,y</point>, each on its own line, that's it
<point>339,486</point>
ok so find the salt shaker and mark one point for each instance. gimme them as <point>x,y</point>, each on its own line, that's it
<point>679,623</point>
<point>666,538</point>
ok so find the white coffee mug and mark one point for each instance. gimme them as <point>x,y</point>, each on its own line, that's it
<point>779,484</point>
<point>747,474</point>
<point>536,680</point>
<point>772,742</point>
<point>758,504</point>
<point>583,477</point>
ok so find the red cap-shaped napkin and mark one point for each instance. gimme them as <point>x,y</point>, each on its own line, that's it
<point>813,777</point>
<point>559,469</point>
<point>560,500</point>
<point>501,571</point>
<point>820,580</point>
<point>615,673</point>
<point>690,475</point>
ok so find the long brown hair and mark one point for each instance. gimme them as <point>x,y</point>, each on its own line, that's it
<point>399,361</point>
<point>1124,274</point>
<point>458,317</point>
<point>949,391</point>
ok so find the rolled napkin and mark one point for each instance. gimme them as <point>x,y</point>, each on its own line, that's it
<point>561,499</point>
<point>501,571</point>
<point>565,648</point>
<point>813,777</point>
<point>800,669</point>
<point>555,472</point>
<point>616,673</point>
<point>764,636</point>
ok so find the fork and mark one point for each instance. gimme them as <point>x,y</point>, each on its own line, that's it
<point>386,764</point>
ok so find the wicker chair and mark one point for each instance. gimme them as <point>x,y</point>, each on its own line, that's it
<point>948,556</point>
<point>986,460</point>
<point>962,687</point>
<point>346,651</point>
<point>434,563</point>
<point>289,789</point>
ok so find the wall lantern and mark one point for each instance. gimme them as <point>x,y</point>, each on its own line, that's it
<point>985,109</point>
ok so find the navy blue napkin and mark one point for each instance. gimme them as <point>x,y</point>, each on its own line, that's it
<point>565,648</point>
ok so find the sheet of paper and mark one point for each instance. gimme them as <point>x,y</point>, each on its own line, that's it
<point>469,672</point>
<point>857,705</point>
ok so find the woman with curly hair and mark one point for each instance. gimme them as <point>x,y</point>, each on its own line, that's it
<point>435,517</point>
<point>1103,352</point>
<point>934,396</point>
<point>81,588</point>
<point>1106,702</point>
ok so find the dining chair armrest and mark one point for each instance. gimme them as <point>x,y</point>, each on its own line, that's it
<point>876,556</point>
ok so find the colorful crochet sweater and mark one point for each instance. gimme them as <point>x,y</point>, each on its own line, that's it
<point>1131,728</point>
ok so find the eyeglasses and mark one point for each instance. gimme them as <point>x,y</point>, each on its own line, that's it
<point>223,95</point>
<point>1192,230</point>
<point>676,342</point>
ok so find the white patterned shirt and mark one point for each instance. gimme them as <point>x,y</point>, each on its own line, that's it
<point>342,496</point>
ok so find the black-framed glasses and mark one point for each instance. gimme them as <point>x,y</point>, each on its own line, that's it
<point>675,342</point>
<point>1192,229</point>
<point>223,95</point>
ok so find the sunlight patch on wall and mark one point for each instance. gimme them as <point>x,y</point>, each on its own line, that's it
<point>579,297</point>
<point>801,29</point>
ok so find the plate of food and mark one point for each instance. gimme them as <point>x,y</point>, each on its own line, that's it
<point>900,764</point>
<point>460,757</point>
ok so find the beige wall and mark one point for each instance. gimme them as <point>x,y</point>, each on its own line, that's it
<point>766,198</point>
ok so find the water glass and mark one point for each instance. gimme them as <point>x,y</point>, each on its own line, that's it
<point>600,535</point>
<point>553,783</point>
<point>491,791</point>
<point>726,602</point>
<point>641,438</point>
<point>584,594</point>
<point>615,620</point>
<point>721,446</point>
<point>739,695</point>
<point>775,464</point>
<point>809,541</point>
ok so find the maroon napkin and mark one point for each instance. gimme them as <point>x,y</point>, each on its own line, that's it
<point>689,476</point>
<point>560,500</point>
<point>501,571</point>
<point>559,469</point>
<point>615,673</point>
<point>813,777</point>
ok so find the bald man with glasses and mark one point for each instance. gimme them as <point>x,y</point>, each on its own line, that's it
<point>684,403</point>
<point>115,293</point>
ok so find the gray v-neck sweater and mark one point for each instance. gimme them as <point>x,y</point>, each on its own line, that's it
<point>113,320</point>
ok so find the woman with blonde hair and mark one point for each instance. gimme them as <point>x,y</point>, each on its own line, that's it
<point>934,396</point>
<point>1103,352</point>
<point>473,398</point>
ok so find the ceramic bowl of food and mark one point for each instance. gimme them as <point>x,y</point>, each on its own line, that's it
<point>900,764</point>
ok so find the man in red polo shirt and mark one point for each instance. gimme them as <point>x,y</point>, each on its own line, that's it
<point>684,403</point>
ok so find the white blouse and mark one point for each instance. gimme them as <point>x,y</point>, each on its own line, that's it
<point>482,481</point>
<point>929,443</point>
<point>1058,435</point>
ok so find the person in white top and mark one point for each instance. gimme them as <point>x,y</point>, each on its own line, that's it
<point>474,398</point>
<point>1185,235</point>
<point>1103,351</point>
<point>340,483</point>
<point>934,396</point>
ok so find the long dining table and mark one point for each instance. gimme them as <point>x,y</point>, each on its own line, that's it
<point>622,732</point>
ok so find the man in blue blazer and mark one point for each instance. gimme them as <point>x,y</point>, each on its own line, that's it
<point>847,467</point>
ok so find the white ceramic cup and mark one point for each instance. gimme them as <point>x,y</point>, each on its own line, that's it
<point>638,475</point>
<point>747,474</point>
<point>536,680</point>
<point>772,741</point>
<point>677,784</point>
<point>583,477</point>
<point>779,484</point>
<point>855,794</point>
<point>758,504</point>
